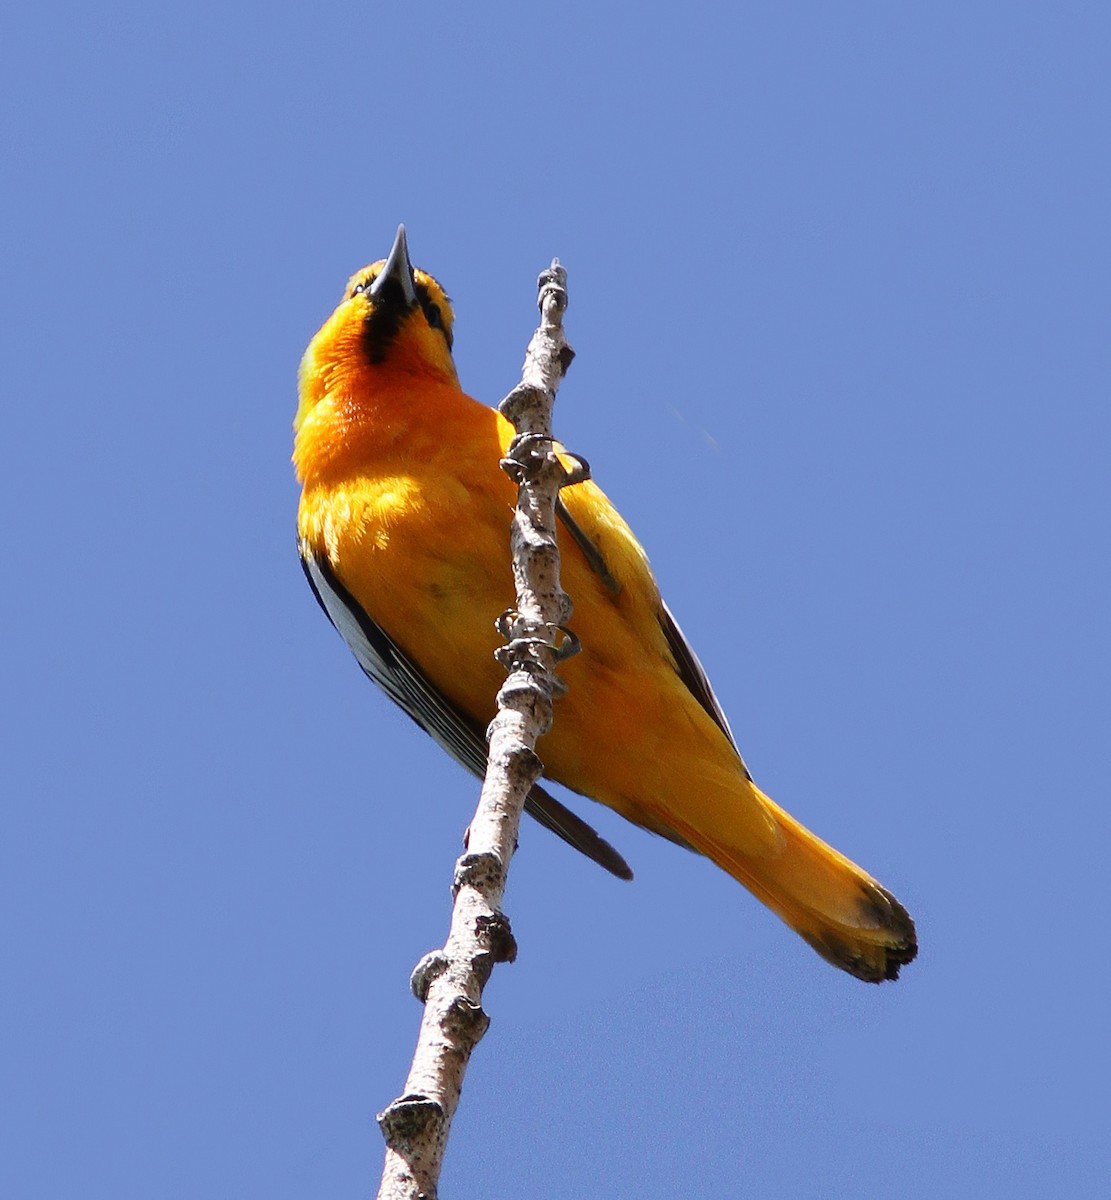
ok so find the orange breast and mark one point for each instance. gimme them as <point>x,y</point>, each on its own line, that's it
<point>413,513</point>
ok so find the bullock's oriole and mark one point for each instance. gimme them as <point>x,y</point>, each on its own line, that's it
<point>403,527</point>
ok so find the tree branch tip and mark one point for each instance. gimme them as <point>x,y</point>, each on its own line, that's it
<point>553,275</point>
<point>552,301</point>
<point>430,967</point>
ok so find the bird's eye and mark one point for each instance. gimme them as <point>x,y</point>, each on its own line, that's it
<point>359,287</point>
<point>432,314</point>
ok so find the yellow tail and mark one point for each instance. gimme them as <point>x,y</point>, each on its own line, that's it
<point>839,909</point>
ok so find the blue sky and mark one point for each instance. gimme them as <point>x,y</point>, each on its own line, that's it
<point>839,293</point>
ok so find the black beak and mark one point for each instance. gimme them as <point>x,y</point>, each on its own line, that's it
<point>395,284</point>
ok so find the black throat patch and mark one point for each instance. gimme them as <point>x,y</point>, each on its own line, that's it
<point>383,322</point>
<point>390,311</point>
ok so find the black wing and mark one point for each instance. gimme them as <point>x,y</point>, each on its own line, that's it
<point>403,681</point>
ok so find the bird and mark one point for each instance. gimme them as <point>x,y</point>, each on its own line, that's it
<point>403,528</point>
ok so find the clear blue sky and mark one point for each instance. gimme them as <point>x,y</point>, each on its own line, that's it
<point>839,290</point>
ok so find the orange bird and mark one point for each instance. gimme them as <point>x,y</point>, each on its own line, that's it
<point>403,525</point>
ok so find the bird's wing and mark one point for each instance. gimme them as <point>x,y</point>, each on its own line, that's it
<point>404,682</point>
<point>692,673</point>
<point>689,668</point>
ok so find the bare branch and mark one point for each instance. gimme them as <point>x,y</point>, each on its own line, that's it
<point>450,981</point>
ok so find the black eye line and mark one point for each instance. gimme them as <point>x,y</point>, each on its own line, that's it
<point>433,314</point>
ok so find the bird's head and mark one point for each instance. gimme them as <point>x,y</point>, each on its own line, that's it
<point>392,318</point>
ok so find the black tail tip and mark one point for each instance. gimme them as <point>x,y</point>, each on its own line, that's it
<point>899,955</point>
<point>874,964</point>
<point>878,951</point>
<point>903,946</point>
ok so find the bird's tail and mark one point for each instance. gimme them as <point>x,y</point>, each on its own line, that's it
<point>839,909</point>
